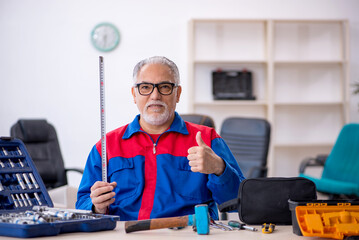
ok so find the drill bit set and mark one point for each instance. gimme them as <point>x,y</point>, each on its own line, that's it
<point>21,187</point>
<point>44,214</point>
<point>26,209</point>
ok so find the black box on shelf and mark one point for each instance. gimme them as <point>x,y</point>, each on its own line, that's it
<point>26,209</point>
<point>232,85</point>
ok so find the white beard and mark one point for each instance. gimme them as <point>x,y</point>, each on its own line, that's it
<point>156,119</point>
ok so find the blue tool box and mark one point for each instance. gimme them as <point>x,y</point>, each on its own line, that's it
<point>26,209</point>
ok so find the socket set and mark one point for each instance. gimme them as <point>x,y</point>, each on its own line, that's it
<point>26,209</point>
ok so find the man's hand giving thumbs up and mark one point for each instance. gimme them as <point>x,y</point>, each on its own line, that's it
<point>202,158</point>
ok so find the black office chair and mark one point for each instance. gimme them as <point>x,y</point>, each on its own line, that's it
<point>248,140</point>
<point>41,142</point>
<point>199,119</point>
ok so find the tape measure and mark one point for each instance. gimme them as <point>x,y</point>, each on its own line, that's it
<point>268,228</point>
<point>103,122</point>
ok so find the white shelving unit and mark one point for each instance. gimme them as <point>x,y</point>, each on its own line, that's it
<point>300,77</point>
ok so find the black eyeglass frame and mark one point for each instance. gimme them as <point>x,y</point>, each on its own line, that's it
<point>156,85</point>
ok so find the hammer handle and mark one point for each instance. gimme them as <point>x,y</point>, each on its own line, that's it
<point>158,223</point>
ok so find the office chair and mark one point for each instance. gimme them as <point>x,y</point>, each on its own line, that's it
<point>340,174</point>
<point>199,119</point>
<point>248,139</point>
<point>41,142</point>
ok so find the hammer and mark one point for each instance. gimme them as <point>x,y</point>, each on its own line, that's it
<point>200,221</point>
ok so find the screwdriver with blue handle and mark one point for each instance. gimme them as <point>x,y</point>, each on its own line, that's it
<point>239,225</point>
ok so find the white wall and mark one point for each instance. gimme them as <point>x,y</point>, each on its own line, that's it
<point>48,68</point>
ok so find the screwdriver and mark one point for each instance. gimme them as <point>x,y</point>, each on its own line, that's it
<point>241,226</point>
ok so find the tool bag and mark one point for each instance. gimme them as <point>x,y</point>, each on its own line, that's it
<point>265,200</point>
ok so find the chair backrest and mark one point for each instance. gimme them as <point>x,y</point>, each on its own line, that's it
<point>342,163</point>
<point>41,142</point>
<point>248,140</point>
<point>199,119</point>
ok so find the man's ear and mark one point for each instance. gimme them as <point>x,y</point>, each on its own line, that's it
<point>179,91</point>
<point>133,94</point>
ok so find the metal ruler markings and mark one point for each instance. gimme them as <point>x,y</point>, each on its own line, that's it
<point>103,122</point>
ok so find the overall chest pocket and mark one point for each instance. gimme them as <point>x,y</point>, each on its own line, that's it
<point>191,185</point>
<point>122,171</point>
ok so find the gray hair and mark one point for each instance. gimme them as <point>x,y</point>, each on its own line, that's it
<point>157,60</point>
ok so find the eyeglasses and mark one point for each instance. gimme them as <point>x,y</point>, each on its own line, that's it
<point>165,88</point>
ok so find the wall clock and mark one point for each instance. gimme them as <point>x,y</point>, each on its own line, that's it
<point>105,37</point>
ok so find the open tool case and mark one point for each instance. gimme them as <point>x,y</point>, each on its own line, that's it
<point>25,205</point>
<point>325,218</point>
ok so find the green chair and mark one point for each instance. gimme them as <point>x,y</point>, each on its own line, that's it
<point>341,167</point>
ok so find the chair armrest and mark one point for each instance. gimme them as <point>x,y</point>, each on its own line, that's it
<point>228,206</point>
<point>74,170</point>
<point>310,162</point>
<point>257,168</point>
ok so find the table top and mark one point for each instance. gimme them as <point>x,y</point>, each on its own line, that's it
<point>280,233</point>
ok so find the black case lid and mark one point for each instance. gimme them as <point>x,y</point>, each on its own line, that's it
<point>21,185</point>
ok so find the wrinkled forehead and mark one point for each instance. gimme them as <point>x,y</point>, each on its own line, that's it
<point>155,72</point>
